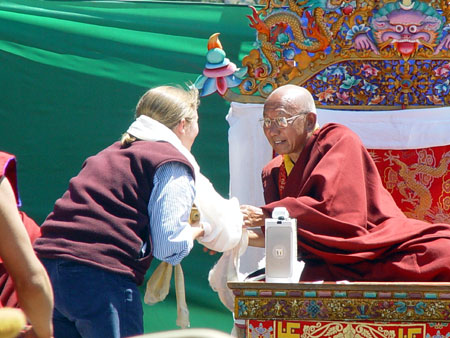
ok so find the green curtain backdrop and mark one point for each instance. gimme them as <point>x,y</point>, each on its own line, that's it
<point>71,73</point>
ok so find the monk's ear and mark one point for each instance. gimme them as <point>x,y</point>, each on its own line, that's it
<point>311,120</point>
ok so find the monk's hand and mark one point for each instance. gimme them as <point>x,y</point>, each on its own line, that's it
<point>253,216</point>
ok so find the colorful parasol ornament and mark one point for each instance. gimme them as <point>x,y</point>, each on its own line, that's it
<point>219,73</point>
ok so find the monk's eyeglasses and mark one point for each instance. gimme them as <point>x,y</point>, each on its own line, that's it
<point>280,121</point>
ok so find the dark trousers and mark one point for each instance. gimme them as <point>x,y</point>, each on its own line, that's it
<point>93,303</point>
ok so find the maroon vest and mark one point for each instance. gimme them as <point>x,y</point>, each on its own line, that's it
<point>102,219</point>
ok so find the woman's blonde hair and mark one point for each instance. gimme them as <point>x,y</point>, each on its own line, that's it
<point>167,105</point>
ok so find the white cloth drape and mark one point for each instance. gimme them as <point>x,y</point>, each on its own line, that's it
<point>395,129</point>
<point>249,151</point>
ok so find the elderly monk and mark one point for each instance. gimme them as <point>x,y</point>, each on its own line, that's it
<point>349,227</point>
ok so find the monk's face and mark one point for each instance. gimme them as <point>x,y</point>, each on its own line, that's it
<point>289,139</point>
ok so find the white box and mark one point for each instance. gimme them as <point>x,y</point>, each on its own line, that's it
<point>281,248</point>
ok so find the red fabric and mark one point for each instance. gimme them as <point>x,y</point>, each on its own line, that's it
<point>349,226</point>
<point>282,177</point>
<point>418,180</point>
<point>8,297</point>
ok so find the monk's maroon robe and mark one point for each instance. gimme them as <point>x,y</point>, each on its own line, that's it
<point>349,226</point>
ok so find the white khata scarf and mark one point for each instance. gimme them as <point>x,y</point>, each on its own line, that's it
<point>222,222</point>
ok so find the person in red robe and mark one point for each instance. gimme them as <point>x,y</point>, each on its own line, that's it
<point>349,226</point>
<point>8,169</point>
<point>24,281</point>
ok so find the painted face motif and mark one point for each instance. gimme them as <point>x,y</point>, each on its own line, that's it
<point>406,30</point>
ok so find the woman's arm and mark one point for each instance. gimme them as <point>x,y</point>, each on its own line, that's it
<point>169,208</point>
<point>31,281</point>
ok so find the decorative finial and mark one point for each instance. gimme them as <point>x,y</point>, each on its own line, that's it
<point>219,73</point>
<point>214,41</point>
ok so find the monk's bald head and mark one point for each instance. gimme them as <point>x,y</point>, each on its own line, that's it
<point>294,98</point>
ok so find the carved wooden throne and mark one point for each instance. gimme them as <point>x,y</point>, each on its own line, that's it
<point>383,69</point>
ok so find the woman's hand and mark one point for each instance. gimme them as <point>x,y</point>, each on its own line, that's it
<point>197,230</point>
